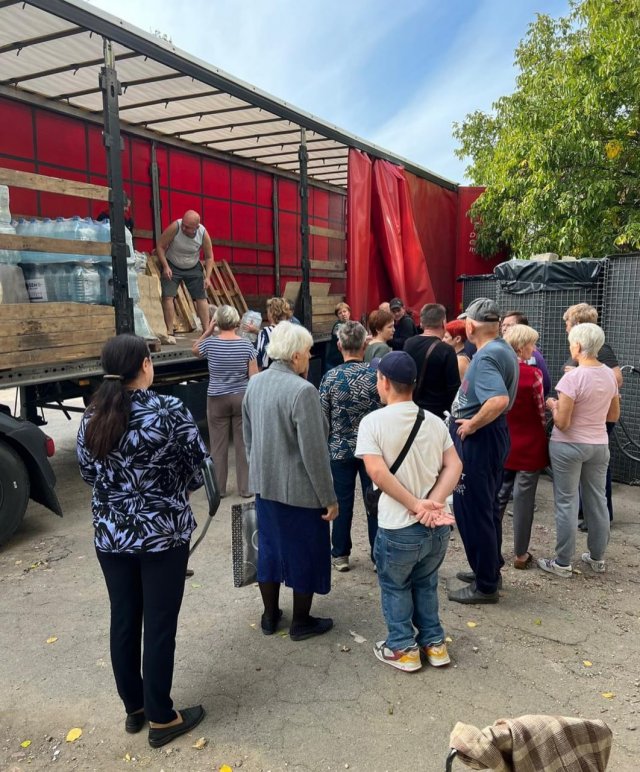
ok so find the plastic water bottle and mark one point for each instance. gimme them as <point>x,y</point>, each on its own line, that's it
<point>85,284</point>
<point>9,256</point>
<point>36,282</point>
<point>5,212</point>
<point>106,280</point>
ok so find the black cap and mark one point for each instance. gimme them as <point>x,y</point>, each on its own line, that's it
<point>398,366</point>
<point>395,303</point>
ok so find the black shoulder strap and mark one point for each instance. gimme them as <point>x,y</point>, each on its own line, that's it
<point>423,370</point>
<point>416,427</point>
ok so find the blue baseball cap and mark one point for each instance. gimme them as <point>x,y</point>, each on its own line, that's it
<point>398,366</point>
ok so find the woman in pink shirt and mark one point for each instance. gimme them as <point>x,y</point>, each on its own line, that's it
<point>579,450</point>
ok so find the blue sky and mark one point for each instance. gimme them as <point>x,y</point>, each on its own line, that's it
<point>395,73</point>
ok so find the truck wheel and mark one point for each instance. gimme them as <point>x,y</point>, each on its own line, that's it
<point>14,491</point>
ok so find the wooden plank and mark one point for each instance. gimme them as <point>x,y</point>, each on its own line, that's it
<point>45,244</point>
<point>17,179</point>
<point>220,286</point>
<point>51,356</point>
<point>328,304</point>
<point>242,245</point>
<point>25,311</point>
<point>47,340</point>
<point>317,289</point>
<point>11,327</point>
<point>151,304</point>
<point>327,265</point>
<point>332,233</point>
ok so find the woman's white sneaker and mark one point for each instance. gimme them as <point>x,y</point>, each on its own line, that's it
<point>596,565</point>
<point>550,565</point>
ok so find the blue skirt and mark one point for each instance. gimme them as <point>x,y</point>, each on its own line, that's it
<point>294,547</point>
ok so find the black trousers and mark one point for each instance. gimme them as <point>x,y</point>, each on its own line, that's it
<point>145,589</point>
<point>475,499</point>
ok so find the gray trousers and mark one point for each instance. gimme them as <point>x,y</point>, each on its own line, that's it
<point>580,466</point>
<point>224,413</point>
<point>524,499</point>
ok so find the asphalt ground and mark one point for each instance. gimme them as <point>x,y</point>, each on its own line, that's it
<point>553,646</point>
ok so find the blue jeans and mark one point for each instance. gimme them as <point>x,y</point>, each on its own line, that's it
<point>408,560</point>
<point>345,474</point>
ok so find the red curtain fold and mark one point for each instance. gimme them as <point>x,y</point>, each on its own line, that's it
<point>358,232</point>
<point>389,260</point>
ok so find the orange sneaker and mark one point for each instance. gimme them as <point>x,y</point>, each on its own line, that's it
<point>437,654</point>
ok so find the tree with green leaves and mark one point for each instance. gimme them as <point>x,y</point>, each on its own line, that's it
<point>560,157</point>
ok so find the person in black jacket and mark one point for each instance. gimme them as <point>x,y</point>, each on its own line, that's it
<point>438,378</point>
<point>404,325</point>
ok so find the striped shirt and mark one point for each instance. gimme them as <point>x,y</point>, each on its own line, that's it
<point>264,338</point>
<point>228,362</point>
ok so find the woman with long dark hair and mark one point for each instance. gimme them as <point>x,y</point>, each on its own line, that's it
<point>142,452</point>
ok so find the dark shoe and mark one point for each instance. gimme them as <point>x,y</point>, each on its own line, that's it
<point>315,626</point>
<point>134,722</point>
<point>268,625</point>
<point>466,576</point>
<point>470,594</point>
<point>582,526</point>
<point>469,577</point>
<point>191,717</point>
<point>189,572</point>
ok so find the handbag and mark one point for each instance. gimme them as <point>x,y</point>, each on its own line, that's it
<point>244,543</point>
<point>213,496</point>
<point>371,494</point>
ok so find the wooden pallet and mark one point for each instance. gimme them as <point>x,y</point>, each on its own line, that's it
<point>223,288</point>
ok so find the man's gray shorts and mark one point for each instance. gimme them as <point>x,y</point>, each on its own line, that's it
<point>192,277</point>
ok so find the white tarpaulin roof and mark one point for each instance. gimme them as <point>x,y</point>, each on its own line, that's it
<point>55,49</point>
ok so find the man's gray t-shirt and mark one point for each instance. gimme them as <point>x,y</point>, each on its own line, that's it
<point>493,372</point>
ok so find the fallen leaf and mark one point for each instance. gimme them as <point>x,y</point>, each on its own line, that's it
<point>73,734</point>
<point>127,757</point>
<point>345,648</point>
<point>225,768</point>
<point>201,743</point>
<point>448,639</point>
<point>195,585</point>
<point>390,710</point>
<point>608,695</point>
<point>472,624</point>
<point>254,625</point>
<point>25,743</point>
<point>52,639</point>
<point>356,637</point>
<point>586,663</point>
<point>537,621</point>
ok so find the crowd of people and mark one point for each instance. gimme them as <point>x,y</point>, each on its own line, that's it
<point>450,411</point>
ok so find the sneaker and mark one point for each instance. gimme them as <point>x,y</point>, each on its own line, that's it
<point>341,564</point>
<point>406,659</point>
<point>550,565</point>
<point>437,654</point>
<point>596,565</point>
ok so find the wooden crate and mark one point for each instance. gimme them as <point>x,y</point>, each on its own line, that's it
<point>48,333</point>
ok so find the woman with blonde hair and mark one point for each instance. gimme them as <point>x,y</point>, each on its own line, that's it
<point>232,361</point>
<point>528,455</point>
<point>579,449</point>
<point>278,310</point>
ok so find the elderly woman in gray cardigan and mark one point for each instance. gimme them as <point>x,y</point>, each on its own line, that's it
<point>285,435</point>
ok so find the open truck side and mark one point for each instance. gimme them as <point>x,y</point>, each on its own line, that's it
<point>88,99</point>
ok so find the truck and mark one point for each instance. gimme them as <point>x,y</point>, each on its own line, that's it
<point>95,110</point>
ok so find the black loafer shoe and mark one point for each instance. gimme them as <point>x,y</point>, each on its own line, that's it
<point>191,717</point>
<point>134,722</point>
<point>470,594</point>
<point>469,577</point>
<point>268,625</point>
<point>315,626</point>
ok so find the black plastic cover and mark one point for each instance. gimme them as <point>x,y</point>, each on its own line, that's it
<point>519,277</point>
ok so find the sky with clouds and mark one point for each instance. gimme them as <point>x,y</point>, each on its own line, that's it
<point>397,74</point>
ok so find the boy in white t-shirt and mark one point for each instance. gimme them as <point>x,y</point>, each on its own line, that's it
<point>413,527</point>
